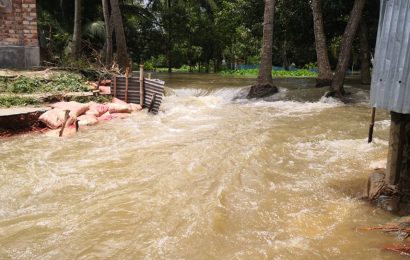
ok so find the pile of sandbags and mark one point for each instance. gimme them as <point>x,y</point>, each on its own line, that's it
<point>71,115</point>
<point>104,86</point>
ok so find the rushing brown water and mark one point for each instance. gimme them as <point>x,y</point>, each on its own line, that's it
<point>213,176</point>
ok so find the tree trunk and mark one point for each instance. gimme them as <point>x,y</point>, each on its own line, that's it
<point>346,48</point>
<point>76,46</point>
<point>285,61</point>
<point>264,86</point>
<point>169,40</point>
<point>364,54</point>
<point>108,33</point>
<point>122,55</point>
<point>325,73</point>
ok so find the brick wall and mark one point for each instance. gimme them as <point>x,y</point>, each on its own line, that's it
<point>19,26</point>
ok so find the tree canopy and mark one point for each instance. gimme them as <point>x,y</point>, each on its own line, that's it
<point>202,35</point>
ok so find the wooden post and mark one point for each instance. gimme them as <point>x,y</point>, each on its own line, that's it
<point>398,158</point>
<point>142,94</point>
<point>66,117</point>
<point>115,86</point>
<point>371,127</point>
<point>152,102</point>
<point>394,152</point>
<point>127,71</point>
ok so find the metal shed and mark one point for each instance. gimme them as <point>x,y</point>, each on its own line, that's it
<point>390,87</point>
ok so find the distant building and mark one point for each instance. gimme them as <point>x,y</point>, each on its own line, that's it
<point>19,47</point>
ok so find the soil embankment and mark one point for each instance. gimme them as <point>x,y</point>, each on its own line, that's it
<point>20,120</point>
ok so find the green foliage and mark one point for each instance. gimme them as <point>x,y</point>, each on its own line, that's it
<point>310,65</point>
<point>183,69</point>
<point>3,84</point>
<point>275,73</point>
<point>24,85</point>
<point>9,101</point>
<point>53,38</point>
<point>148,65</point>
<point>198,32</point>
<point>67,82</point>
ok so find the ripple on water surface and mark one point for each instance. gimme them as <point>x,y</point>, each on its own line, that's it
<point>212,176</point>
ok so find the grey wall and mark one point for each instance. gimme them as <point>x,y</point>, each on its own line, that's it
<point>19,57</point>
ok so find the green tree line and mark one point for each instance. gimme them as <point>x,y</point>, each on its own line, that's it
<point>210,35</point>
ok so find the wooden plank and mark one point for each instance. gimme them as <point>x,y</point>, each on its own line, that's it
<point>126,84</point>
<point>66,117</point>
<point>142,84</point>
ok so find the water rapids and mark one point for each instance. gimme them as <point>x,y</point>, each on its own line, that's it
<point>213,176</point>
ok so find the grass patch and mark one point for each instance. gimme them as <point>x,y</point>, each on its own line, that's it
<point>275,73</point>
<point>66,82</point>
<point>10,101</point>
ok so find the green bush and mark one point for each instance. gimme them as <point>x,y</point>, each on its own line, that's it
<point>24,85</point>
<point>67,82</point>
<point>9,101</point>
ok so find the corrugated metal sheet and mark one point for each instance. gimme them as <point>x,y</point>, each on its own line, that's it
<point>151,87</point>
<point>391,73</point>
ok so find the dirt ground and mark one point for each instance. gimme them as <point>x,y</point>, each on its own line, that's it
<point>45,74</point>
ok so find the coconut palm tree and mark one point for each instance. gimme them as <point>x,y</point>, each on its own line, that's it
<point>107,51</point>
<point>264,86</point>
<point>122,55</point>
<point>76,44</point>
<point>346,48</point>
<point>325,73</point>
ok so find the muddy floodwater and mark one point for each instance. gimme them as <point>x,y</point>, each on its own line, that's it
<point>213,176</point>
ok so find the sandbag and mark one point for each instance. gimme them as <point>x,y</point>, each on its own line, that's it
<point>92,112</point>
<point>118,108</point>
<point>76,109</point>
<point>104,89</point>
<point>105,117</point>
<point>118,101</point>
<point>54,118</point>
<point>134,107</point>
<point>109,116</point>
<point>105,82</point>
<point>100,108</point>
<point>87,120</point>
